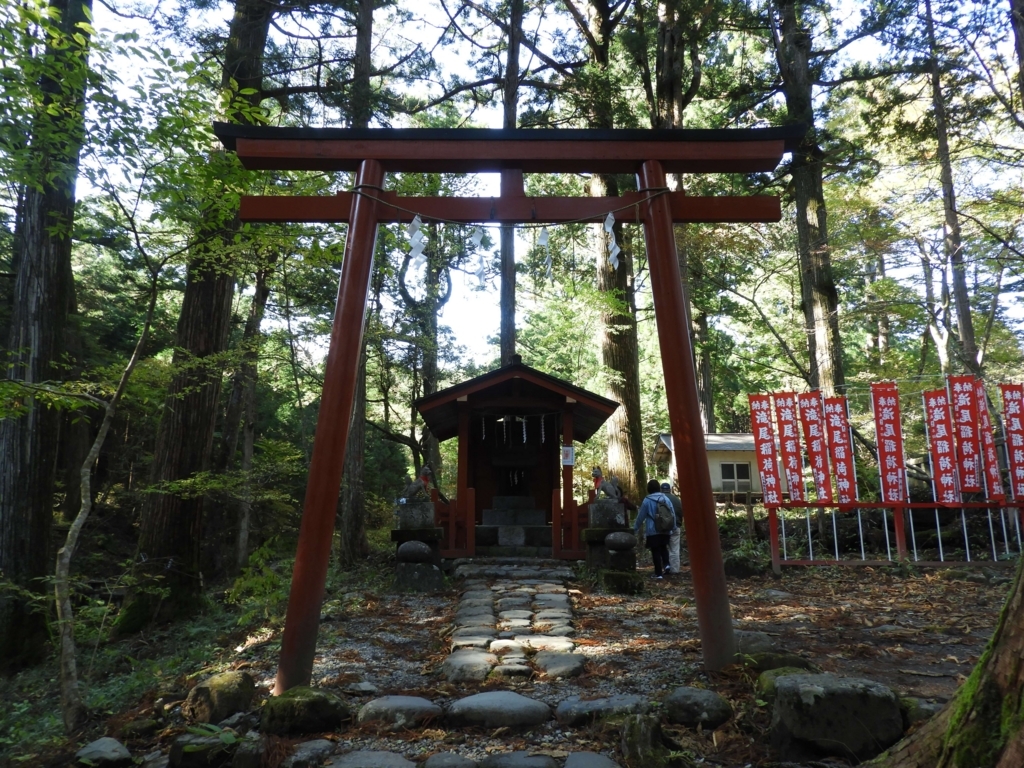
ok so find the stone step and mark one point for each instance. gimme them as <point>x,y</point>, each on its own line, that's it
<point>515,517</point>
<point>513,552</point>
<point>513,502</point>
<point>513,535</point>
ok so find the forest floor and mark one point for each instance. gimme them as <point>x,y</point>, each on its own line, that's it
<point>919,632</point>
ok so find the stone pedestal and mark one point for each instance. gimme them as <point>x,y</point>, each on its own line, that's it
<point>624,560</point>
<point>418,577</point>
<point>593,540</point>
<point>429,536</point>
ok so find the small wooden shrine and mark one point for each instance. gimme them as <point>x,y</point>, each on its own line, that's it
<point>516,427</point>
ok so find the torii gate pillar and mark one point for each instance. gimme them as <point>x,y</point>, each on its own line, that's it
<point>302,622</point>
<point>673,317</point>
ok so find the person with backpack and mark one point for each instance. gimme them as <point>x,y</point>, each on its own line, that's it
<point>673,539</point>
<point>659,520</point>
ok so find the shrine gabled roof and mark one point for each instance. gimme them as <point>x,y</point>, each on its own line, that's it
<point>536,150</point>
<point>441,411</point>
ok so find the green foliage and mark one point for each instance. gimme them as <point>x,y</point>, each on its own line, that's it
<point>261,590</point>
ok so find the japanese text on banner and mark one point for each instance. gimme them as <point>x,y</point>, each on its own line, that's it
<point>814,432</point>
<point>789,444</point>
<point>1013,424</point>
<point>993,480</point>
<point>965,422</point>
<point>885,402</point>
<point>764,445</point>
<point>939,427</point>
<point>840,444</point>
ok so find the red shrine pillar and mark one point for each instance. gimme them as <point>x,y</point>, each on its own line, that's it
<point>309,576</point>
<point>672,315</point>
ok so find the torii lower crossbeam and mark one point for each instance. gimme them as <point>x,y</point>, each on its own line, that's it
<point>649,154</point>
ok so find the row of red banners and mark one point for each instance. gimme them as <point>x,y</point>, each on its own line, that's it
<point>962,447</point>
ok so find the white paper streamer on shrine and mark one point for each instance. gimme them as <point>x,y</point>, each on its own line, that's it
<point>477,238</point>
<point>613,247</point>
<point>542,241</point>
<point>417,243</point>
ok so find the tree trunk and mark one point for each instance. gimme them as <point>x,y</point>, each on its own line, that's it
<point>1017,22</point>
<point>510,101</point>
<point>952,241</point>
<point>983,724</point>
<point>819,299</point>
<point>42,297</point>
<point>705,380</point>
<point>351,519</point>
<point>167,565</point>
<point>620,356</point>
<point>245,506</point>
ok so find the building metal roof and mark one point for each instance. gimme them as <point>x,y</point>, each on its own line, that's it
<point>515,389</point>
<point>723,441</point>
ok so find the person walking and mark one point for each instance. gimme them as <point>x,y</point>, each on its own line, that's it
<point>675,536</point>
<point>658,520</point>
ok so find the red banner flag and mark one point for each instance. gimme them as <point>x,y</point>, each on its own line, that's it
<point>814,433</point>
<point>764,446</point>
<point>885,402</point>
<point>840,445</point>
<point>993,480</point>
<point>1013,425</point>
<point>965,422</point>
<point>789,444</point>
<point>939,426</point>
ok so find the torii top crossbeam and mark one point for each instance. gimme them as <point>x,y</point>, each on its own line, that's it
<point>371,153</point>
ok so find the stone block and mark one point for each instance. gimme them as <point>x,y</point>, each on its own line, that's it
<point>622,560</point>
<point>511,536</point>
<point>605,513</point>
<point>418,577</point>
<point>621,582</point>
<point>417,514</point>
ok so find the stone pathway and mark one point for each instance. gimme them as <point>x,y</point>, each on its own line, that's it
<point>513,621</point>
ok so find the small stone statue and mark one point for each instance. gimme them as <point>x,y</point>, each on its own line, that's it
<point>609,489</point>
<point>416,490</point>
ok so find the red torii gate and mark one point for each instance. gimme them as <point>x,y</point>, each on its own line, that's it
<point>373,152</point>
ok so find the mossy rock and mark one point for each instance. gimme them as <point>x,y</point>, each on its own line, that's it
<point>139,729</point>
<point>765,685</point>
<point>303,710</point>
<point>621,582</point>
<point>762,662</point>
<point>220,696</point>
<point>744,565</point>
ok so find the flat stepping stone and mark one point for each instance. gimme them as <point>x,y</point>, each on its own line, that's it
<point>468,665</point>
<point>554,599</point>
<point>558,665</point>
<point>471,641</point>
<point>516,624</point>
<point>512,670</point>
<point>494,709</point>
<point>369,759</point>
<point>509,615</point>
<point>477,602</point>
<point>575,712</point>
<point>449,760</point>
<point>549,614</point>
<point>475,631</point>
<point>507,647</point>
<point>589,760</point>
<point>518,760</point>
<point>512,603</point>
<point>546,643</point>
<point>479,610</point>
<point>400,711</point>
<point>478,594</point>
<point>561,631</point>
<point>476,621</point>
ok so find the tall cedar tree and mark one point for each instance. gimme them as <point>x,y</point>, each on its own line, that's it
<point>351,522</point>
<point>43,295</point>
<point>799,66</point>
<point>619,344</point>
<point>169,551</point>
